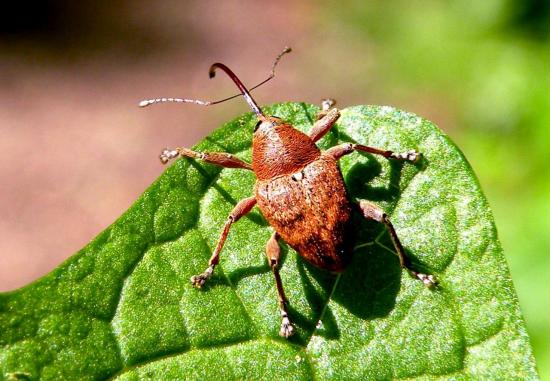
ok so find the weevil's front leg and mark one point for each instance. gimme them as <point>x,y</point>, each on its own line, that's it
<point>344,149</point>
<point>372,212</point>
<point>325,120</point>
<point>243,207</point>
<point>273,252</point>
<point>222,159</point>
<point>326,105</point>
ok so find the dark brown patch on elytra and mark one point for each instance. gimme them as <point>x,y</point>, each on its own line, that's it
<point>310,214</point>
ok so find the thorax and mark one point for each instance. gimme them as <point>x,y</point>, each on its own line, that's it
<point>281,150</point>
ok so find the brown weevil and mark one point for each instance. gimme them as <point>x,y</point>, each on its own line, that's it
<point>299,190</point>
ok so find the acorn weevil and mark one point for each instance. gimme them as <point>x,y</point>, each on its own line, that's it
<point>298,189</point>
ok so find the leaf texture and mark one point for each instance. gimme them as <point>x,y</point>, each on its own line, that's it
<point>122,308</point>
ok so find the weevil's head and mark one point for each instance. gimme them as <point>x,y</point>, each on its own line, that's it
<point>277,148</point>
<point>266,123</point>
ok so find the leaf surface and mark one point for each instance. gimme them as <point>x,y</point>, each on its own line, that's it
<point>122,308</point>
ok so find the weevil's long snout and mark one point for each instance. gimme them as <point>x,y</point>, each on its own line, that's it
<point>246,94</point>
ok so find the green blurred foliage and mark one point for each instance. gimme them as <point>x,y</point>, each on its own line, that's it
<point>490,60</point>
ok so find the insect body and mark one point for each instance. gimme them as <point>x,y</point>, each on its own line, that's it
<point>299,190</point>
<point>304,198</point>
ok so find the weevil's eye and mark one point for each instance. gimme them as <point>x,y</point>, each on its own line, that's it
<point>268,122</point>
<point>275,120</point>
<point>257,125</point>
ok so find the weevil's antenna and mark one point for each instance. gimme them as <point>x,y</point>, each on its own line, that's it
<point>286,50</point>
<point>148,102</point>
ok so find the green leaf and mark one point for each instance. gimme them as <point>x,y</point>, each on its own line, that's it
<point>122,308</point>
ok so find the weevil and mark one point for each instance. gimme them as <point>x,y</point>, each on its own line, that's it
<point>299,190</point>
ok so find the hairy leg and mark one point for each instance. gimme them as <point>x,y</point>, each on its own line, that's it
<point>273,252</point>
<point>373,212</point>
<point>242,208</point>
<point>222,159</point>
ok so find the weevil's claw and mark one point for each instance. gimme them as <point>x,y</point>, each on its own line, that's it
<point>168,154</point>
<point>287,329</point>
<point>199,280</point>
<point>412,156</point>
<point>429,281</point>
<point>327,103</point>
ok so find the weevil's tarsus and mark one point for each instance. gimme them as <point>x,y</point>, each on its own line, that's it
<point>199,280</point>
<point>148,102</point>
<point>222,159</point>
<point>338,151</point>
<point>242,208</point>
<point>429,280</point>
<point>373,212</point>
<point>287,329</point>
<point>327,103</point>
<point>273,253</point>
<point>412,156</point>
<point>168,154</point>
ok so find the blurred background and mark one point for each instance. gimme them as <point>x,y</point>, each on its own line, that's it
<point>76,151</point>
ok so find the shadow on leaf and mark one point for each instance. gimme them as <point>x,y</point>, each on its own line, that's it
<point>369,286</point>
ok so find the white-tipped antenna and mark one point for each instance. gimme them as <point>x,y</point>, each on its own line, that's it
<point>148,102</point>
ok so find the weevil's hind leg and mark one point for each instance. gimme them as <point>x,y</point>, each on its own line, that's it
<point>325,119</point>
<point>372,212</point>
<point>273,252</point>
<point>243,207</point>
<point>344,149</point>
<point>222,159</point>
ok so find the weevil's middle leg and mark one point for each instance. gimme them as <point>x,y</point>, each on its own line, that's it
<point>372,212</point>
<point>222,159</point>
<point>273,253</point>
<point>344,149</point>
<point>243,207</point>
<point>325,120</point>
